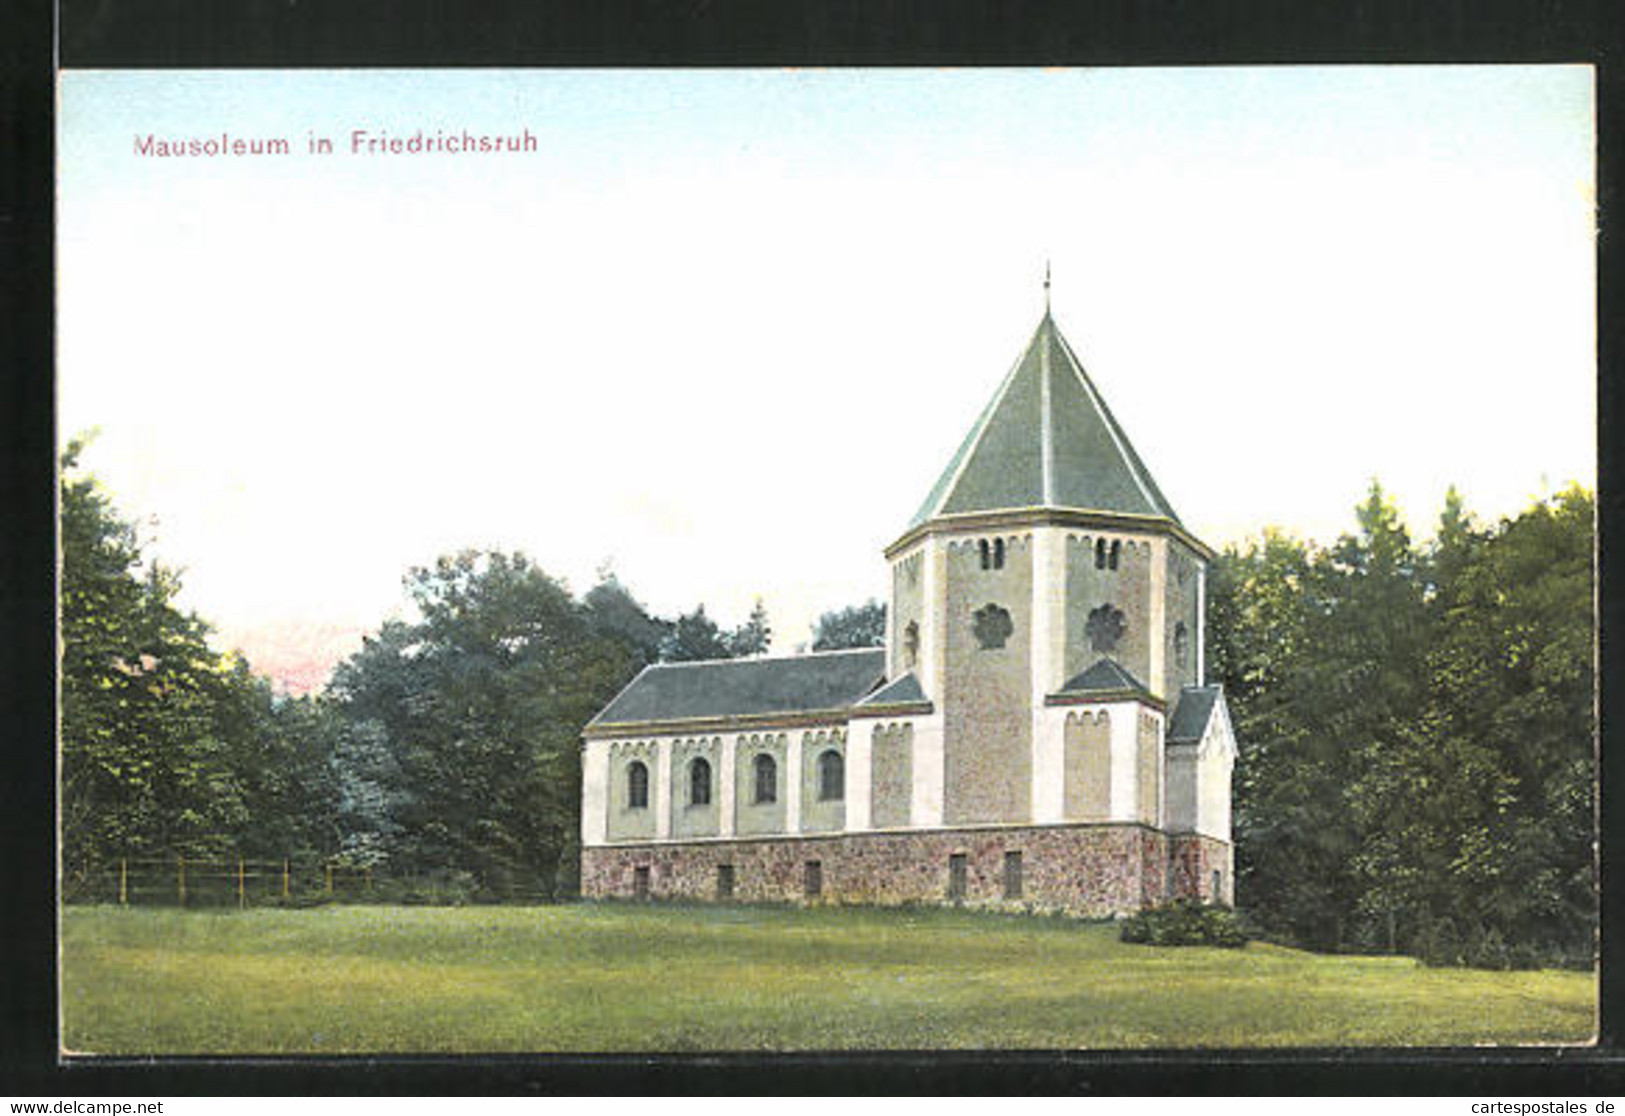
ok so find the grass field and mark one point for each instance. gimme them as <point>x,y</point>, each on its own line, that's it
<point>607,978</point>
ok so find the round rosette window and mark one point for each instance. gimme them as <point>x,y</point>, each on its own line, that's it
<point>992,626</point>
<point>1105,627</point>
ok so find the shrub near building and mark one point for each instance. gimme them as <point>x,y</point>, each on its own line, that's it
<point>1185,922</point>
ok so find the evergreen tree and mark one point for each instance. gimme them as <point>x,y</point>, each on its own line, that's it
<point>753,637</point>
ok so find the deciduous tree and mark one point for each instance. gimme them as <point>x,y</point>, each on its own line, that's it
<point>1416,730</point>
<point>861,625</point>
<point>145,765</point>
<point>482,702</point>
<point>694,637</point>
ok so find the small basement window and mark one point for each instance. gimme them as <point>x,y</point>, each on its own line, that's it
<point>725,881</point>
<point>812,879</point>
<point>958,871</point>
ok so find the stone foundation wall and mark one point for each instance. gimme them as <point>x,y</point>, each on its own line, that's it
<point>1155,876</point>
<point>1193,859</point>
<point>1089,870</point>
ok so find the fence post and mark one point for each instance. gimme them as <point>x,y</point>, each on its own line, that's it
<point>284,879</point>
<point>123,882</point>
<point>242,900</point>
<point>180,886</point>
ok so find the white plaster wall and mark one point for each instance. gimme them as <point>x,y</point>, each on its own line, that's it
<point>1158,616</point>
<point>792,782</point>
<point>1215,767</point>
<point>933,588</point>
<point>663,788</point>
<point>595,785</point>
<point>1181,792</point>
<point>595,793</point>
<point>890,634</point>
<point>1161,752</point>
<point>726,791</point>
<point>1049,612</point>
<point>1125,721</point>
<point>1049,763</point>
<point>859,749</point>
<point>1048,668</point>
<point>1201,623</point>
<point>925,803</point>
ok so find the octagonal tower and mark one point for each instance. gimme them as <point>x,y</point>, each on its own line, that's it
<point>1047,598</point>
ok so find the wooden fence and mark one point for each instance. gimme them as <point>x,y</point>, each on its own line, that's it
<point>228,881</point>
<point>234,881</point>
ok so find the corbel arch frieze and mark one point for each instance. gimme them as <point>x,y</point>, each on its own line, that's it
<point>1088,717</point>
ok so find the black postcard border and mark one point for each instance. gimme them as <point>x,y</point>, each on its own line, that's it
<point>164,34</point>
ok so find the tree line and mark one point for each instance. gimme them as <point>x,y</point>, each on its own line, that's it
<point>1417,766</point>
<point>1415,721</point>
<point>444,751</point>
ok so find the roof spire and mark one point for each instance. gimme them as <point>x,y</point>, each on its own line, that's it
<point>1046,288</point>
<point>1047,439</point>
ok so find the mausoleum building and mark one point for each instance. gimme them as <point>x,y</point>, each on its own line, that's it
<point>1036,731</point>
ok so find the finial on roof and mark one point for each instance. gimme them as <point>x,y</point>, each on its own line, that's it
<point>1046,288</point>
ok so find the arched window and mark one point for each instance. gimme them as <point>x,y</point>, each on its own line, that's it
<point>1116,549</point>
<point>831,776</point>
<point>637,786</point>
<point>1100,554</point>
<point>699,783</point>
<point>998,554</point>
<point>767,779</point>
<point>1182,640</point>
<point>986,561</point>
<point>911,644</point>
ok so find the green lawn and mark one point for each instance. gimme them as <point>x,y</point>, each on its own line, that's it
<point>601,978</point>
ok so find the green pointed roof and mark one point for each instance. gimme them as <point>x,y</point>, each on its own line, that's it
<point>1106,674</point>
<point>1047,439</point>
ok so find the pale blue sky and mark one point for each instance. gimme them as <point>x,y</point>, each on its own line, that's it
<point>724,328</point>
